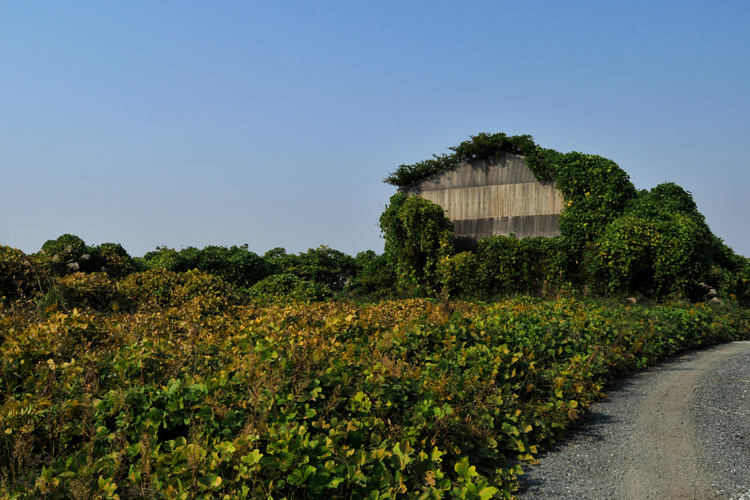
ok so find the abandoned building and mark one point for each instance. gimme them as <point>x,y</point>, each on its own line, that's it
<point>497,196</point>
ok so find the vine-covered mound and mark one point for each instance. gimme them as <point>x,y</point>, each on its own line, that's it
<point>614,239</point>
<point>194,398</point>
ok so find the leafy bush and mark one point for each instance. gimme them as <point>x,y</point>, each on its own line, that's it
<point>165,258</point>
<point>596,191</point>
<point>289,286</point>
<point>509,265</point>
<point>661,245</point>
<point>330,400</point>
<point>658,256</point>
<point>730,273</point>
<point>321,265</point>
<point>162,288</point>
<point>374,277</point>
<point>68,244</point>
<point>68,253</point>
<point>91,291</point>
<point>19,280</point>
<point>460,276</point>
<point>236,265</point>
<point>505,266</point>
<point>417,235</point>
<point>111,258</point>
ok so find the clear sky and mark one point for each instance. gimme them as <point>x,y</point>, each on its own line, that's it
<point>273,123</point>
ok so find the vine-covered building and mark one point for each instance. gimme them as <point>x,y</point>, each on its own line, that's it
<point>489,197</point>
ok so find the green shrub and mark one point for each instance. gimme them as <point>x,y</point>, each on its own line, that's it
<point>68,253</point>
<point>110,258</point>
<point>506,265</point>
<point>730,273</point>
<point>417,235</point>
<point>661,245</point>
<point>67,244</point>
<point>165,258</point>
<point>236,265</point>
<point>596,191</point>
<point>321,265</point>
<point>159,287</point>
<point>460,275</point>
<point>19,280</point>
<point>374,277</point>
<point>288,286</point>
<point>95,291</point>
<point>654,257</point>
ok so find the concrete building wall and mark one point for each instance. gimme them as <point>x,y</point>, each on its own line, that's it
<point>499,196</point>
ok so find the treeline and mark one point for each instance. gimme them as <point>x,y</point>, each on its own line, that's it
<point>70,273</point>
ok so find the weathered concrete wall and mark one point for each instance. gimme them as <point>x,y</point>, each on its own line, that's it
<point>500,196</point>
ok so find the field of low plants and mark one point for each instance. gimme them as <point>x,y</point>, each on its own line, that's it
<point>164,392</point>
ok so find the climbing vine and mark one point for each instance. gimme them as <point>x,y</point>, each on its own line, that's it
<point>480,147</point>
<point>417,235</point>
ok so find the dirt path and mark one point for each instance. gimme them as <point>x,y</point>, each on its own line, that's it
<point>677,431</point>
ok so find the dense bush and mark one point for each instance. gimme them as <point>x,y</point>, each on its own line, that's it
<point>243,268</point>
<point>91,291</point>
<point>504,265</point>
<point>405,399</point>
<point>596,191</point>
<point>19,280</point>
<point>321,265</point>
<point>417,235</point>
<point>289,286</point>
<point>70,254</point>
<point>374,277</point>
<point>660,245</point>
<point>730,273</point>
<point>161,288</point>
<point>460,276</point>
<point>111,258</point>
<point>68,244</point>
<point>236,265</point>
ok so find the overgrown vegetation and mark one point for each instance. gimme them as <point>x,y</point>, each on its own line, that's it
<point>186,394</point>
<point>220,373</point>
<point>614,240</point>
<point>417,235</point>
<point>479,147</point>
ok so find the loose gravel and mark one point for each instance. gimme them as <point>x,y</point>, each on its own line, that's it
<point>677,431</point>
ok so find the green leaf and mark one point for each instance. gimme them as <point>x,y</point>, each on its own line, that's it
<point>486,492</point>
<point>299,476</point>
<point>253,458</point>
<point>205,413</point>
<point>464,470</point>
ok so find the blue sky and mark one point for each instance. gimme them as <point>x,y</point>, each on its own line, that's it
<point>274,123</point>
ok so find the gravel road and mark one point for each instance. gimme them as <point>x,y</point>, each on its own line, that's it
<point>677,431</point>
